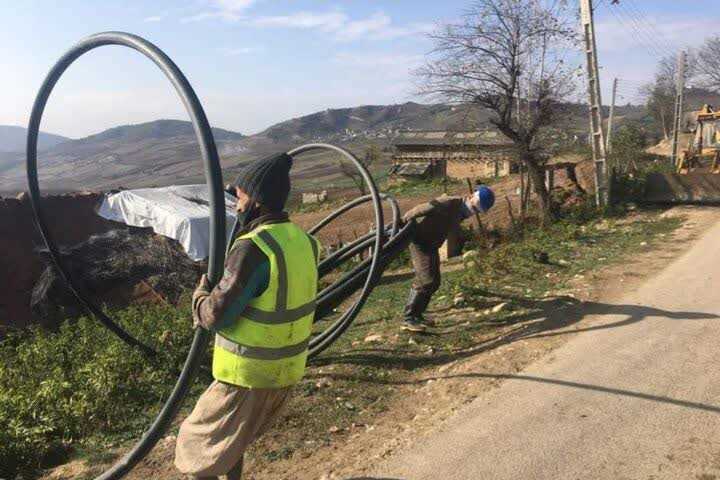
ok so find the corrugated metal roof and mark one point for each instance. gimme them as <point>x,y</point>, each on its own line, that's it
<point>413,169</point>
<point>436,138</point>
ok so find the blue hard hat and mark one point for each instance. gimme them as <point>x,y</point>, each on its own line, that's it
<point>486,197</point>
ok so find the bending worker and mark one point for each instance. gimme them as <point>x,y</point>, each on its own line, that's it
<point>261,312</point>
<point>435,220</point>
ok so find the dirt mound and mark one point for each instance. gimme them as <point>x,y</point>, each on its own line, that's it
<point>664,148</point>
<point>71,219</point>
<point>116,267</point>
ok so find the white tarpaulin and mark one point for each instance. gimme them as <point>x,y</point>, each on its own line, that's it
<point>179,212</point>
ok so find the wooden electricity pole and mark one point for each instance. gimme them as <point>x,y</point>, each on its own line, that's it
<point>595,100</point>
<point>608,146</point>
<point>680,89</point>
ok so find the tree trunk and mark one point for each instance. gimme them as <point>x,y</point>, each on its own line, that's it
<point>537,179</point>
<point>664,127</point>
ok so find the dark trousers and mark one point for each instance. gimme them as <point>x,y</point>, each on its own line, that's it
<point>426,262</point>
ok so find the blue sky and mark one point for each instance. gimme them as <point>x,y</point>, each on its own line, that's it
<point>257,62</point>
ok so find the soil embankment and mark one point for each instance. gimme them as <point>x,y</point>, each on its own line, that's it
<point>71,219</point>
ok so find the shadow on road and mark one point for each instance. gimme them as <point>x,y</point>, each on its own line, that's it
<point>547,318</point>
<point>583,386</point>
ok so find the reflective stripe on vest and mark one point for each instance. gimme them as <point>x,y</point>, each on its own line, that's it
<point>261,353</point>
<point>267,346</point>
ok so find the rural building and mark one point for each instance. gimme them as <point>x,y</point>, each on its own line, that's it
<point>476,154</point>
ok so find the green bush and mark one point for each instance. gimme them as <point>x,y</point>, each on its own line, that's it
<point>58,389</point>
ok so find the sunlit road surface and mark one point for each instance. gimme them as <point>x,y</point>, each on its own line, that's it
<point>634,396</point>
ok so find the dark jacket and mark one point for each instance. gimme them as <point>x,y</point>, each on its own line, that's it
<point>436,219</point>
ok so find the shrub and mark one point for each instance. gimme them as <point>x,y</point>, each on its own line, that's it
<point>58,389</point>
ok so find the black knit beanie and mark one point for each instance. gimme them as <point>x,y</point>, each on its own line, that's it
<point>267,181</point>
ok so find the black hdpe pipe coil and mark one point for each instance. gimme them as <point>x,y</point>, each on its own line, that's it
<point>337,258</point>
<point>366,274</point>
<point>320,342</point>
<point>348,284</point>
<point>327,337</point>
<point>213,178</point>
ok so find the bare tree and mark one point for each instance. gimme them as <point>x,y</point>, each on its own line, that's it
<point>372,155</point>
<point>662,92</point>
<point>483,59</point>
<point>709,63</point>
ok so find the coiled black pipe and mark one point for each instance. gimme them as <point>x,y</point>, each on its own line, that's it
<point>320,342</point>
<point>337,258</point>
<point>347,285</point>
<point>366,274</point>
<point>213,177</point>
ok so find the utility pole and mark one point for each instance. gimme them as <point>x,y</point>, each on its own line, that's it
<point>596,126</point>
<point>608,146</point>
<point>679,94</point>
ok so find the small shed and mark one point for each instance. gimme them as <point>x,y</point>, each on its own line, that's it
<point>457,154</point>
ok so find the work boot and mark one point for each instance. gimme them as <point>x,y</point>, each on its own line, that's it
<point>414,324</point>
<point>416,304</point>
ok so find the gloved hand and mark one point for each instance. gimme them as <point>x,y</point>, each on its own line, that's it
<point>201,291</point>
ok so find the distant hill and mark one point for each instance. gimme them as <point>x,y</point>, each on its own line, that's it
<point>153,153</point>
<point>165,152</point>
<point>376,120</point>
<point>12,139</point>
<point>156,130</point>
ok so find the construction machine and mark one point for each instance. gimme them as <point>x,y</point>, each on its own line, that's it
<point>697,177</point>
<point>704,152</point>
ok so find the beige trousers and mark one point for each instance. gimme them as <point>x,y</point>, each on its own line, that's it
<point>224,422</point>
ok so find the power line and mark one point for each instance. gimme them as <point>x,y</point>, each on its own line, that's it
<point>651,24</point>
<point>642,30</point>
<point>648,47</point>
<point>644,26</point>
<point>599,4</point>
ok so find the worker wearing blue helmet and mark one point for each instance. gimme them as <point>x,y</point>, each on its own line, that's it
<point>435,220</point>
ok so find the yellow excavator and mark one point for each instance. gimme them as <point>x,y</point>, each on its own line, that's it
<point>697,177</point>
<point>704,152</point>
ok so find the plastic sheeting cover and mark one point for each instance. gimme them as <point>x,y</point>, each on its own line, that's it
<point>178,212</point>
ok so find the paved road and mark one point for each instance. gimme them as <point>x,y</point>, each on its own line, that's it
<point>640,400</point>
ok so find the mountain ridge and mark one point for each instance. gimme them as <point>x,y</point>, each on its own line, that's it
<point>13,138</point>
<point>164,152</point>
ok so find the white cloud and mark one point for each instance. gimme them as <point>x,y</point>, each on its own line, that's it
<point>228,10</point>
<point>378,26</point>
<point>154,18</point>
<point>361,28</point>
<point>235,51</point>
<point>329,21</point>
<point>234,5</point>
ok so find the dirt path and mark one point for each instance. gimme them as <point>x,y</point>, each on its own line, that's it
<point>633,394</point>
<point>425,404</point>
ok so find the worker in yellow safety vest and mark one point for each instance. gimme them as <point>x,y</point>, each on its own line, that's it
<point>261,312</point>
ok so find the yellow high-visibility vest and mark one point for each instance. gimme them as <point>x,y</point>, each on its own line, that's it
<point>267,346</point>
